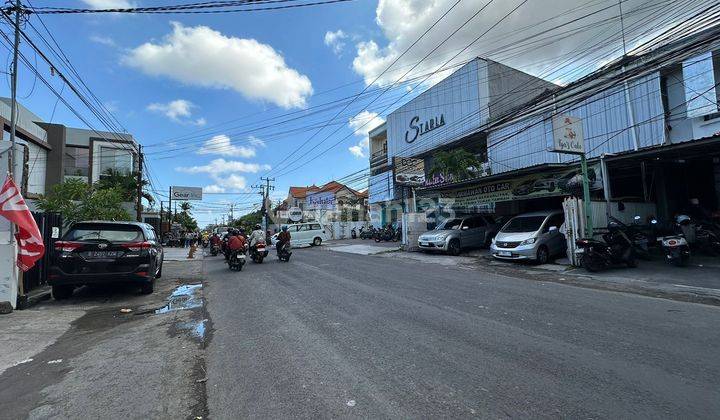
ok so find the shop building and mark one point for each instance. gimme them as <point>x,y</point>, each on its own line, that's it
<point>450,114</point>
<point>651,126</point>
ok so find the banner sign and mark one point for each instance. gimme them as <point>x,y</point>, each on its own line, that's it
<point>295,214</point>
<point>186,193</point>
<point>555,183</point>
<point>568,136</point>
<point>320,201</point>
<point>409,171</point>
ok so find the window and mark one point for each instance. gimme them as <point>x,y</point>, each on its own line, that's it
<point>315,227</point>
<point>103,233</point>
<point>118,159</point>
<point>555,220</point>
<point>469,223</point>
<point>76,161</point>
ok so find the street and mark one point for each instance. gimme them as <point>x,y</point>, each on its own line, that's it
<point>332,334</point>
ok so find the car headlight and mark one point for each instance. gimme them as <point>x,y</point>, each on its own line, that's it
<point>529,241</point>
<point>441,237</point>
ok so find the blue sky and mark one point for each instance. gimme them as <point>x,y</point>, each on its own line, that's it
<point>208,95</point>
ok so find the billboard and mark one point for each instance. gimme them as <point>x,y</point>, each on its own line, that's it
<point>547,184</point>
<point>186,193</point>
<point>568,136</point>
<point>320,201</point>
<point>409,171</point>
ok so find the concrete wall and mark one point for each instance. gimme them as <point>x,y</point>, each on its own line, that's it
<point>54,167</point>
<point>509,88</point>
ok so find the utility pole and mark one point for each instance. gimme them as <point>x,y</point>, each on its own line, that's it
<point>139,183</point>
<point>232,215</point>
<point>266,198</point>
<point>13,89</point>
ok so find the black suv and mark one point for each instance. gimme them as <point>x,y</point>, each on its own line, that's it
<point>97,252</point>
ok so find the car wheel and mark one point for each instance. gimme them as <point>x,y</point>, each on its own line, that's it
<point>62,292</point>
<point>454,247</point>
<point>543,255</point>
<point>317,242</point>
<point>148,287</point>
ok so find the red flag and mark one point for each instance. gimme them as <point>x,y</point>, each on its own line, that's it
<point>13,208</point>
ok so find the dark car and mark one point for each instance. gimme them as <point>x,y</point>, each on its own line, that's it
<point>101,252</point>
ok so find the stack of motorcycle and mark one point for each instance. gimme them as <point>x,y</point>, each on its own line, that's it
<point>623,244</point>
<point>387,234</point>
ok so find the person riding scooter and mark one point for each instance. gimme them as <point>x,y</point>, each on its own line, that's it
<point>283,238</point>
<point>256,236</point>
<point>236,243</point>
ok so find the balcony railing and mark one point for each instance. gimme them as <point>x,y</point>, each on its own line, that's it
<point>379,158</point>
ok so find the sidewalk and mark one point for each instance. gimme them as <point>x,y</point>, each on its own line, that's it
<point>699,282</point>
<point>181,254</point>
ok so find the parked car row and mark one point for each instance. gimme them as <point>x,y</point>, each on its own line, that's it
<point>531,236</point>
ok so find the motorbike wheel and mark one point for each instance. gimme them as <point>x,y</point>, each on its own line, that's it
<point>378,239</point>
<point>590,264</point>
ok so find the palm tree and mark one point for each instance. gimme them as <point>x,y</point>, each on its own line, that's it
<point>125,182</point>
<point>185,206</point>
<point>458,163</point>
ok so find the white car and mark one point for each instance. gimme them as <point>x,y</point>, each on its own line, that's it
<point>305,234</point>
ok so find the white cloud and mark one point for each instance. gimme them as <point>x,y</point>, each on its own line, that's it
<point>103,40</point>
<point>335,40</point>
<point>110,4</point>
<point>404,21</point>
<point>362,124</point>
<point>201,56</point>
<point>212,189</point>
<point>221,145</point>
<point>229,183</point>
<point>256,141</point>
<point>218,166</point>
<point>179,110</point>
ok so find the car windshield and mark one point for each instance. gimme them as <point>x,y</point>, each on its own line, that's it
<point>105,234</point>
<point>450,224</point>
<point>524,224</point>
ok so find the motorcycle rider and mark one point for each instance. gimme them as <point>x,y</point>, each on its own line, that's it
<point>282,239</point>
<point>256,236</point>
<point>236,243</point>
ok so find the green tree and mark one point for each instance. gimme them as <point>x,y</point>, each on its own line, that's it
<point>458,163</point>
<point>248,221</point>
<point>125,182</point>
<point>75,200</point>
<point>185,206</point>
<point>186,221</point>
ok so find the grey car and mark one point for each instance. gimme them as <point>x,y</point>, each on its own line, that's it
<point>531,236</point>
<point>457,233</point>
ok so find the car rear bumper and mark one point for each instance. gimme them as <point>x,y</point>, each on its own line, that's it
<point>57,277</point>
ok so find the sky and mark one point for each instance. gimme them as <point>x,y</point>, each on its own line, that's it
<point>220,100</point>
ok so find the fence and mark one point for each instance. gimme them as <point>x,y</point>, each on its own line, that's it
<point>50,225</point>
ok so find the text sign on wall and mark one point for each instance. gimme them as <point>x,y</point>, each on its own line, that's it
<point>320,201</point>
<point>568,136</point>
<point>186,193</point>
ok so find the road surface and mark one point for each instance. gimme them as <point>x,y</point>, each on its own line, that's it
<point>333,334</point>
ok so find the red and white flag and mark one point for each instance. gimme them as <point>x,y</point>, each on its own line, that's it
<point>13,208</point>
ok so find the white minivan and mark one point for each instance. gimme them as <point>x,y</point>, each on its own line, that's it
<point>305,234</point>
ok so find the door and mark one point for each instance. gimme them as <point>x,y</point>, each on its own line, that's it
<point>555,240</point>
<point>471,232</point>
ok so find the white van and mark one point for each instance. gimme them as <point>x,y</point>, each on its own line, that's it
<point>305,234</point>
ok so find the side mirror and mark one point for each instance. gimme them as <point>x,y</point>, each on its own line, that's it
<point>552,228</point>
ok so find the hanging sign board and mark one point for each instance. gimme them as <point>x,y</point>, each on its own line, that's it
<point>186,193</point>
<point>295,214</point>
<point>568,136</point>
<point>409,171</point>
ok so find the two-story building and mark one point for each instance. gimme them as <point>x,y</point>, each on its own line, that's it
<point>651,127</point>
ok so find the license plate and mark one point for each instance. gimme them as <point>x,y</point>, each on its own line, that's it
<point>424,243</point>
<point>505,253</point>
<point>101,254</point>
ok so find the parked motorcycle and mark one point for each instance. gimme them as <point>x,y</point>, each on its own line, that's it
<point>236,260</point>
<point>368,233</point>
<point>675,245</point>
<point>615,249</point>
<point>707,237</point>
<point>284,252</point>
<point>388,234</point>
<point>353,233</point>
<point>258,252</point>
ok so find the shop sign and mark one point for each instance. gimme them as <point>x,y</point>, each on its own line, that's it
<point>438,179</point>
<point>409,171</point>
<point>548,184</point>
<point>320,201</point>
<point>568,135</point>
<point>418,128</point>
<point>295,214</point>
<point>186,193</point>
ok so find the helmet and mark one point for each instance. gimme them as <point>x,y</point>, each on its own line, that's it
<point>613,225</point>
<point>284,228</point>
<point>682,219</point>
<point>258,227</point>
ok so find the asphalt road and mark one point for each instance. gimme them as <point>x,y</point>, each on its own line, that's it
<point>340,335</point>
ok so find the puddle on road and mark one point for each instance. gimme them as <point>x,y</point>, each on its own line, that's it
<point>183,297</point>
<point>196,329</point>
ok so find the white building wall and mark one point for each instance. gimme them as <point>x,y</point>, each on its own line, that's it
<point>37,164</point>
